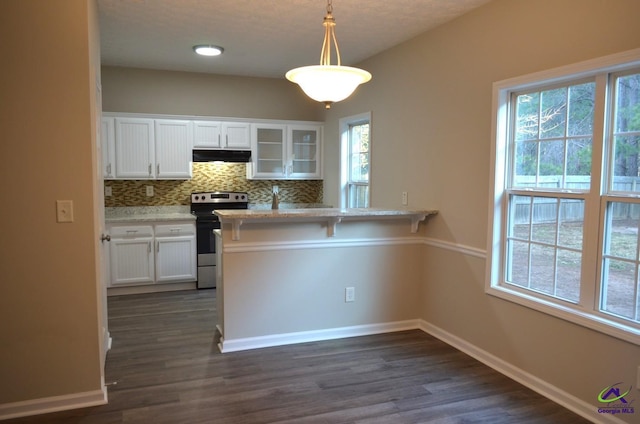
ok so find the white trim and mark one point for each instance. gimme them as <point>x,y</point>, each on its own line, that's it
<point>586,314</point>
<point>343,129</point>
<point>248,343</point>
<point>456,247</point>
<point>53,404</point>
<point>567,400</point>
<point>207,118</point>
<point>318,244</point>
<point>569,313</point>
<point>151,288</point>
<point>613,63</point>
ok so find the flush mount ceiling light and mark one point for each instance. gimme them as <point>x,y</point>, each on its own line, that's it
<point>208,50</point>
<point>327,83</point>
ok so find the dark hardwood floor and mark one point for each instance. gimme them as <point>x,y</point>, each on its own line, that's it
<point>164,367</point>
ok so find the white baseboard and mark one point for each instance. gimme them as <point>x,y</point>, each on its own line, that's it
<point>572,403</point>
<point>53,404</point>
<point>151,288</point>
<point>248,343</point>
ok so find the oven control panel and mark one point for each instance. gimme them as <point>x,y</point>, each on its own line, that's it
<point>219,197</point>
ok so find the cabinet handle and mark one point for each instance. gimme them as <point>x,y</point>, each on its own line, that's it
<point>175,230</point>
<point>132,231</point>
<point>148,247</point>
<point>149,169</point>
<point>157,170</point>
<point>226,140</point>
<point>109,169</point>
<point>219,141</point>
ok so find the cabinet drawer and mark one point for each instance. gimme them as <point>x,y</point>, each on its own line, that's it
<point>175,230</point>
<point>132,231</point>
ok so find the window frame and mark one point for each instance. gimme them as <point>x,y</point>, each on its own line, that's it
<point>586,312</point>
<point>345,125</point>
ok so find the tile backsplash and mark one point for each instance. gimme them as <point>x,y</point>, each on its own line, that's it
<point>210,177</point>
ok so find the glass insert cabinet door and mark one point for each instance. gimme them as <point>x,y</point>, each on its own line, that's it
<point>287,151</point>
<point>270,149</point>
<point>304,151</point>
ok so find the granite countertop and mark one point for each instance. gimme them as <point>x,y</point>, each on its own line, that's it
<point>264,206</point>
<point>333,216</point>
<point>277,214</point>
<point>148,213</point>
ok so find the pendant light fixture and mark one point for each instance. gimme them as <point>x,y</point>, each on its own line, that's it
<point>327,83</point>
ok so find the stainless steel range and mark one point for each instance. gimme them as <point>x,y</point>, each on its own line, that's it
<point>202,206</point>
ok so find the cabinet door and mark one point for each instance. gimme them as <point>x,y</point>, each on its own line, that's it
<point>269,151</point>
<point>207,134</point>
<point>108,146</point>
<point>135,154</point>
<point>173,149</point>
<point>237,135</point>
<point>176,259</point>
<point>304,152</point>
<point>131,261</point>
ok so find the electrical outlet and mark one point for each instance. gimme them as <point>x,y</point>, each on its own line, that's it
<point>349,294</point>
<point>275,189</point>
<point>405,198</point>
<point>107,191</point>
<point>149,191</point>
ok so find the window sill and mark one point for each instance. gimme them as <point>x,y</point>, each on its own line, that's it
<point>572,314</point>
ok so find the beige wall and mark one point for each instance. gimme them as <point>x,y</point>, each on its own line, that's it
<point>430,100</point>
<point>298,275</point>
<point>49,309</point>
<point>183,93</point>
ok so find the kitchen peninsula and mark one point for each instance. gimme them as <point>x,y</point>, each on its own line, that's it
<point>296,275</point>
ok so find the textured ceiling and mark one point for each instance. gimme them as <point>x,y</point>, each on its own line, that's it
<point>262,38</point>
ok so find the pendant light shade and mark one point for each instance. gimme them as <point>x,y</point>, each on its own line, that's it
<point>328,83</point>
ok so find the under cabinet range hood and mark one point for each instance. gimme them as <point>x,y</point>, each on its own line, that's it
<point>200,155</point>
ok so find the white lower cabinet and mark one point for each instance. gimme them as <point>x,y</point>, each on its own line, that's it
<point>131,255</point>
<point>150,254</point>
<point>175,253</point>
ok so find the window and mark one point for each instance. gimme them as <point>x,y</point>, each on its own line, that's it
<point>566,217</point>
<point>356,143</point>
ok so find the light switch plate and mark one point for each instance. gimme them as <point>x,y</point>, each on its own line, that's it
<point>107,191</point>
<point>149,191</point>
<point>64,210</point>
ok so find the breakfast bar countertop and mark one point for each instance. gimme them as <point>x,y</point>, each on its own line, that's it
<point>278,214</point>
<point>333,216</point>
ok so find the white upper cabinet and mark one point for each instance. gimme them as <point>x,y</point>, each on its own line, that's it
<point>207,134</point>
<point>304,152</point>
<point>142,147</point>
<point>108,147</point>
<point>221,135</point>
<point>269,151</point>
<point>149,149</point>
<point>173,149</point>
<point>135,148</point>
<point>291,152</point>
<point>236,135</point>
